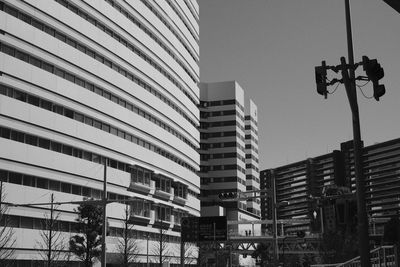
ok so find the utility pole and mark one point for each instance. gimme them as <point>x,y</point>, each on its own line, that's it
<point>1,194</point>
<point>147,252</point>
<point>350,84</point>
<point>50,231</point>
<point>215,245</point>
<point>274,218</point>
<point>374,73</point>
<point>161,244</point>
<point>103,243</point>
<point>182,252</point>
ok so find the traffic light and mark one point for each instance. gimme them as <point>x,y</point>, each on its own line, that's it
<point>320,79</point>
<point>374,73</point>
<point>228,195</point>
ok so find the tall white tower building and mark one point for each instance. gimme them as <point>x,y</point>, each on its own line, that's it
<point>229,151</point>
<point>88,82</point>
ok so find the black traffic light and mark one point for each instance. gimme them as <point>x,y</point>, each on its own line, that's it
<point>320,79</point>
<point>228,195</point>
<point>374,73</point>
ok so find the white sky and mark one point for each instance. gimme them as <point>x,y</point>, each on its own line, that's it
<point>271,48</point>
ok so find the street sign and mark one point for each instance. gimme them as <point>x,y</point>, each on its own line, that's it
<point>202,229</point>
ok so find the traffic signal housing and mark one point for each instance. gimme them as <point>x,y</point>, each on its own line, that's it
<point>320,79</point>
<point>228,195</point>
<point>374,73</point>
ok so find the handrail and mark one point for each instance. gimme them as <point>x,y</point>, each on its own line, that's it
<point>354,260</point>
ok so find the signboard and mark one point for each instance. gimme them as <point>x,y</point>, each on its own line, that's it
<point>204,229</point>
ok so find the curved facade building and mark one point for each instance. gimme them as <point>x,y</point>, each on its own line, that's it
<point>87,82</point>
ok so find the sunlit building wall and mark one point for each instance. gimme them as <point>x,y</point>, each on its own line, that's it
<point>87,82</point>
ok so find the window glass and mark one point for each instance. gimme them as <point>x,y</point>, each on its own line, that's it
<point>42,183</point>
<point>76,190</point>
<point>106,94</point>
<point>33,100</point>
<point>18,136</point>
<point>60,72</point>
<point>29,180</point>
<point>15,178</point>
<point>86,192</point>
<point>36,62</point>
<point>87,155</point>
<point>13,221</point>
<point>54,185</point>
<point>46,104</point>
<point>70,77</point>
<point>67,149</point>
<point>88,121</point>
<point>97,124</point>
<point>65,187</point>
<point>79,82</point>
<point>21,55</point>
<point>55,146</point>
<point>105,127</point>
<point>47,67</point>
<point>20,96</point>
<point>69,113</point>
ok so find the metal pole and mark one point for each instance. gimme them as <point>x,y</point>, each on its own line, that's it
<point>103,241</point>
<point>215,245</point>
<point>161,244</point>
<point>322,220</point>
<point>363,235</point>
<point>274,219</point>
<point>1,195</point>
<point>51,225</point>
<point>182,252</point>
<point>230,255</point>
<point>283,252</point>
<point>147,256</point>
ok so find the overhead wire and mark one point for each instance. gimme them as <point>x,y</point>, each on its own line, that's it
<point>362,92</point>
<point>334,90</point>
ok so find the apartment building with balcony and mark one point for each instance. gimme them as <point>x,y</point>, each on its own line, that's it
<point>91,84</point>
<point>301,182</point>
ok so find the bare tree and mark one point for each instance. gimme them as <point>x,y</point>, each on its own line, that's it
<point>7,238</point>
<point>161,248</point>
<point>191,253</point>
<point>51,245</point>
<point>127,246</point>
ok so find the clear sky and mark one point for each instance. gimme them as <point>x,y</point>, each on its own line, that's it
<point>271,48</point>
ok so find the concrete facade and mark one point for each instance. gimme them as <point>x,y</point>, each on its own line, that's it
<point>88,82</point>
<point>296,182</point>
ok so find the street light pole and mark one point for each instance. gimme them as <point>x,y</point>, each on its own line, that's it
<point>103,242</point>
<point>274,218</point>
<point>350,85</point>
<point>147,252</point>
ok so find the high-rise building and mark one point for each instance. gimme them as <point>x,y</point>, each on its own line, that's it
<point>252,156</point>
<point>84,83</point>
<point>300,183</point>
<point>228,151</point>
